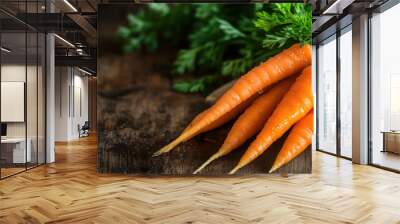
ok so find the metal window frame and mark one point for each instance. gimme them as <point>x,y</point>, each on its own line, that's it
<point>337,34</point>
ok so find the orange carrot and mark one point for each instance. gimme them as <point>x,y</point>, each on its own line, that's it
<point>226,117</point>
<point>195,120</point>
<point>252,120</point>
<point>289,62</point>
<point>298,140</point>
<point>216,123</point>
<point>296,103</point>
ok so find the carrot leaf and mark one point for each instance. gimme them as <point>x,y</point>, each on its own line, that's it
<point>221,40</point>
<point>194,86</point>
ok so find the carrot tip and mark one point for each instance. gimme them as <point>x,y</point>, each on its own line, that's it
<point>168,147</point>
<point>271,170</point>
<point>162,150</point>
<point>198,170</point>
<point>159,152</point>
<point>234,170</point>
<point>274,168</point>
<point>212,158</point>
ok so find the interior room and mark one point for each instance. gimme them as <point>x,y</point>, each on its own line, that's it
<point>334,74</point>
<point>96,95</point>
<point>22,104</point>
<point>384,89</point>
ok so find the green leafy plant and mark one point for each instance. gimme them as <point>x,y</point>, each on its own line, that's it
<point>157,21</point>
<point>194,86</point>
<point>221,41</point>
<point>285,24</point>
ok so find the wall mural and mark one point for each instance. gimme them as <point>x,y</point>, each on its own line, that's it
<point>207,89</point>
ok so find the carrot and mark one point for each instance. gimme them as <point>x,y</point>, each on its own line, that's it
<point>289,62</point>
<point>251,121</point>
<point>216,123</point>
<point>196,119</point>
<point>298,140</point>
<point>227,117</point>
<point>296,103</point>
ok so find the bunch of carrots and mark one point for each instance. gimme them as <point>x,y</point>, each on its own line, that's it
<point>271,98</point>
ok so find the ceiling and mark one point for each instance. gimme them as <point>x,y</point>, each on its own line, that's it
<point>332,15</point>
<point>74,22</point>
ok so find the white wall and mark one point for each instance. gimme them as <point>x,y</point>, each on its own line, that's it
<point>360,89</point>
<point>13,101</point>
<point>33,127</point>
<point>12,73</point>
<point>80,109</point>
<point>50,94</point>
<point>71,94</point>
<point>62,81</point>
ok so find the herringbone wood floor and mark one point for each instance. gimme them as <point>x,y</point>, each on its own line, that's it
<point>70,191</point>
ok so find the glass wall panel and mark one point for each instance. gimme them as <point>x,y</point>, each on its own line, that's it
<point>32,95</point>
<point>41,98</point>
<point>346,93</point>
<point>23,91</point>
<point>14,146</point>
<point>32,86</point>
<point>327,95</point>
<point>385,89</point>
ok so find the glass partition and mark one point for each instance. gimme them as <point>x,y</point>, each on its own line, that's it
<point>385,89</point>
<point>32,96</point>
<point>346,92</point>
<point>23,91</point>
<point>327,96</point>
<point>41,96</point>
<point>15,151</point>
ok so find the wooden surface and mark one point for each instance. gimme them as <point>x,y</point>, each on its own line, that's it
<point>70,191</point>
<point>138,116</point>
<point>7,171</point>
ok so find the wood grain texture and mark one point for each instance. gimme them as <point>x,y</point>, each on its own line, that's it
<point>71,191</point>
<point>135,122</point>
<point>92,99</point>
